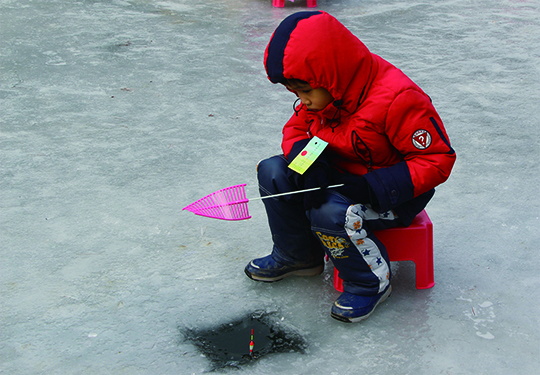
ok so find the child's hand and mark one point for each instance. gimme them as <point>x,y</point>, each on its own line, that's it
<point>356,188</point>
<point>315,176</point>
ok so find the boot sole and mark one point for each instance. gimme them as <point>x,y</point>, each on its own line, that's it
<point>303,272</point>
<point>360,318</point>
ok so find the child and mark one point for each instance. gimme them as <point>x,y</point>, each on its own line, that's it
<point>386,145</point>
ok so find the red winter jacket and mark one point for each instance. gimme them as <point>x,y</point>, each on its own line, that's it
<point>381,124</point>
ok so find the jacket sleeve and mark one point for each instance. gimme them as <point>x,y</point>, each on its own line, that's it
<point>415,129</point>
<point>296,129</point>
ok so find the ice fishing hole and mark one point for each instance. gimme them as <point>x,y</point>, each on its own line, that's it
<point>228,344</point>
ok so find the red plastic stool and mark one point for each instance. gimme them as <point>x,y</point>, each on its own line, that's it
<point>281,3</point>
<point>412,243</point>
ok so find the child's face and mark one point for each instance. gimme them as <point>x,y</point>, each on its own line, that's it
<point>313,99</point>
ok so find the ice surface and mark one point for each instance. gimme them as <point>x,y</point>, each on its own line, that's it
<point>115,114</point>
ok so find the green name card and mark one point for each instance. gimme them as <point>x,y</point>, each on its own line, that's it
<point>308,155</point>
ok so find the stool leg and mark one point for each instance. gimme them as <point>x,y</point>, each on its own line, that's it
<point>424,274</point>
<point>424,262</point>
<point>278,3</point>
<point>338,283</point>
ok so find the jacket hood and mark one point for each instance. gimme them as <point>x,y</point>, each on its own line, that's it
<point>315,47</point>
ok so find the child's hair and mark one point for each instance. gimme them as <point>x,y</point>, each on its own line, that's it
<point>293,82</point>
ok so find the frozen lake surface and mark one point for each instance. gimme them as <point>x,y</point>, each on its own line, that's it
<point>115,114</point>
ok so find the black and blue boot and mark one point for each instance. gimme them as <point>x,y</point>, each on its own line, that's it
<point>353,308</point>
<point>267,269</point>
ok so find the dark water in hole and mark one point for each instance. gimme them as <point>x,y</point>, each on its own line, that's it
<point>227,345</point>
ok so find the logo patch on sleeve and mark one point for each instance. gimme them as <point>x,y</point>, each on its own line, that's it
<point>421,139</point>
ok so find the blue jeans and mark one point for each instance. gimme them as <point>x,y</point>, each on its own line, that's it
<point>339,227</point>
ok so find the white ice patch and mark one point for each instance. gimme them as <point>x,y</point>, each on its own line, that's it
<point>482,316</point>
<point>487,335</point>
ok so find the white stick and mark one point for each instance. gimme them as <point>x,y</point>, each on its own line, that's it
<point>295,192</point>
